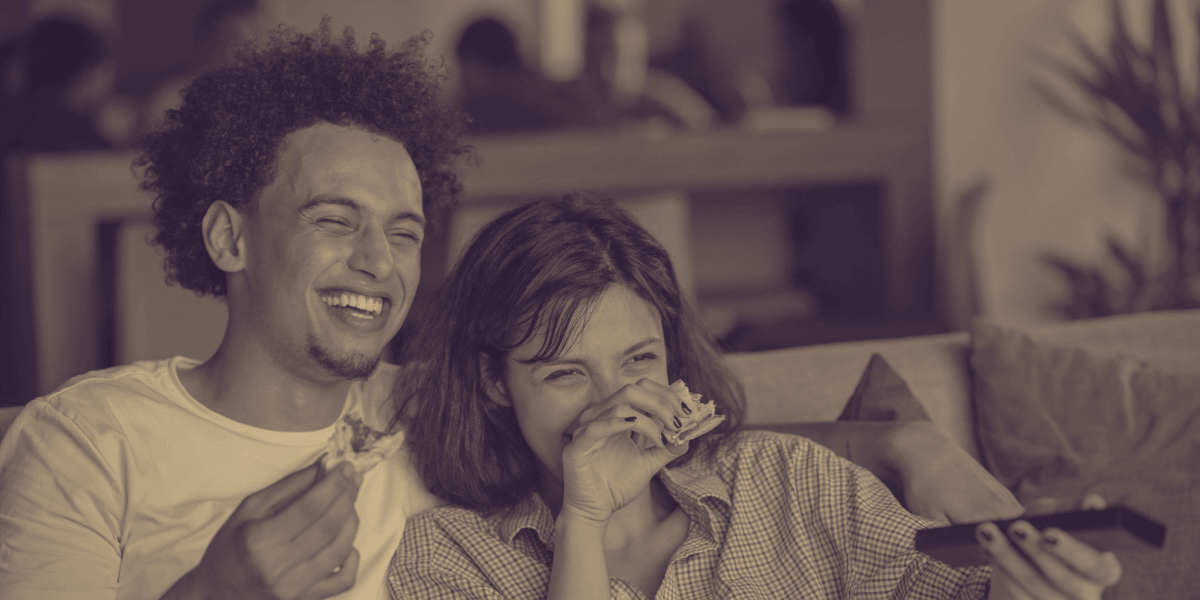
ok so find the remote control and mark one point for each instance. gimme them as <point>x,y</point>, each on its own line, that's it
<point>1117,528</point>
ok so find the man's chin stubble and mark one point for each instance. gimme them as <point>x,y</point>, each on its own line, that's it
<point>346,366</point>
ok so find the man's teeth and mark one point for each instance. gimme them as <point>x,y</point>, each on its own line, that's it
<point>359,301</point>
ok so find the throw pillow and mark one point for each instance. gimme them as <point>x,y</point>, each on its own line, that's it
<point>1059,421</point>
<point>882,395</point>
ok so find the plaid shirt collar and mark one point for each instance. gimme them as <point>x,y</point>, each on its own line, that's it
<point>704,497</point>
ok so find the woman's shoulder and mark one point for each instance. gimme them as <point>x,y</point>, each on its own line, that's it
<point>461,524</point>
<point>758,453</point>
<point>449,517</point>
<point>761,443</point>
<point>427,532</point>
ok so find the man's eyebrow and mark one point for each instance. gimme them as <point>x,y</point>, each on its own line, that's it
<point>323,199</point>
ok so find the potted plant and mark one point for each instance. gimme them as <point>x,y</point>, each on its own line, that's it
<point>1133,95</point>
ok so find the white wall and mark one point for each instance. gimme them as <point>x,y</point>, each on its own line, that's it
<point>1053,185</point>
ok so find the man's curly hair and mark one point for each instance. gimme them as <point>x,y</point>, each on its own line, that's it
<point>223,142</point>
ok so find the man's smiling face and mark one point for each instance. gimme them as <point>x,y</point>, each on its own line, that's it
<point>333,251</point>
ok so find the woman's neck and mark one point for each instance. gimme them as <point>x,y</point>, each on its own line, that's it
<point>641,519</point>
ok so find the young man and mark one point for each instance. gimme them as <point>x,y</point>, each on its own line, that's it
<point>298,183</point>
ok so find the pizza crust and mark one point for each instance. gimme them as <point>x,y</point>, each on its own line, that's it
<point>355,442</point>
<point>703,417</point>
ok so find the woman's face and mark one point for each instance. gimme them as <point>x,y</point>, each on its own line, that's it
<point>621,343</point>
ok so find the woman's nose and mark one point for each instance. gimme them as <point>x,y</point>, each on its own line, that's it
<point>605,386</point>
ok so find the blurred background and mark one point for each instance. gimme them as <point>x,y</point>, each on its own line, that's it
<point>820,170</point>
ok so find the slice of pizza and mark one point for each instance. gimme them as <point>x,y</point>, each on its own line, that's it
<point>701,419</point>
<point>355,442</point>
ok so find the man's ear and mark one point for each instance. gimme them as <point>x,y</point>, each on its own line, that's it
<point>494,387</point>
<point>224,230</point>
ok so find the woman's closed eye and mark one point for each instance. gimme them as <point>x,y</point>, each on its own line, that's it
<point>563,374</point>
<point>644,360</point>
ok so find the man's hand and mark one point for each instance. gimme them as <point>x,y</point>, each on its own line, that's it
<point>290,541</point>
<point>943,483</point>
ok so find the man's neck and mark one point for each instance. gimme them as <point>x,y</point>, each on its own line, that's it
<point>261,393</point>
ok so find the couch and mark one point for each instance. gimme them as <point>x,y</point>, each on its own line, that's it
<point>1104,405</point>
<point>1110,406</point>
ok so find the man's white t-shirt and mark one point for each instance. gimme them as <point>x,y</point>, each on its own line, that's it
<point>113,485</point>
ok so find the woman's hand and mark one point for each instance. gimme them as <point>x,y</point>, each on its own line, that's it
<point>617,449</point>
<point>1048,564</point>
<point>942,482</point>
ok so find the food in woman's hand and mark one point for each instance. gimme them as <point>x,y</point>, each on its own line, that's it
<point>701,415</point>
<point>355,442</point>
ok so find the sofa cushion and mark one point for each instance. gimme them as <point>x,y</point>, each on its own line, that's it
<point>812,383</point>
<point>1107,406</point>
<point>882,395</point>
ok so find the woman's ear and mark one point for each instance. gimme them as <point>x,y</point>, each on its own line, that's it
<point>493,387</point>
<point>224,236</point>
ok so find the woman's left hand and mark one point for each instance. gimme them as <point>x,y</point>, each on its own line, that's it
<point>1048,564</point>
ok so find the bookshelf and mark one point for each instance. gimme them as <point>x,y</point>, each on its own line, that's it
<point>894,155</point>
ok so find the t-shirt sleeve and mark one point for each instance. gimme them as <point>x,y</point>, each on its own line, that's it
<point>60,510</point>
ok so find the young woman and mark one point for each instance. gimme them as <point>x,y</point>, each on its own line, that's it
<point>541,416</point>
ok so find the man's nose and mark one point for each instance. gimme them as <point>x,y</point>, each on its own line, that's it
<point>372,253</point>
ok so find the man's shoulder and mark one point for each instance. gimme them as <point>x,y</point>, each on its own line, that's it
<point>153,377</point>
<point>122,388</point>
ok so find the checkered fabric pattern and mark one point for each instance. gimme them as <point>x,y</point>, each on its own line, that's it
<point>772,516</point>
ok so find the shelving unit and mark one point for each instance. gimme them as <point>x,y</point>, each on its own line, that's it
<point>533,164</point>
<point>887,142</point>
<point>894,155</point>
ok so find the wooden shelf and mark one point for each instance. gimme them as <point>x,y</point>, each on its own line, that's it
<point>891,153</point>
<point>548,163</point>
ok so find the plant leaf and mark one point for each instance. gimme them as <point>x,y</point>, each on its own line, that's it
<point>1169,90</point>
<point>1055,101</point>
<point>1129,263</point>
<point>1162,51</point>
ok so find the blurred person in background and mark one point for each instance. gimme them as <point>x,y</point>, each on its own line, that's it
<point>57,75</point>
<point>815,55</point>
<point>501,94</point>
<point>646,64</point>
<point>221,29</point>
